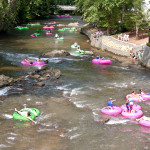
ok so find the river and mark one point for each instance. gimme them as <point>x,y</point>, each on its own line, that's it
<point>70,112</point>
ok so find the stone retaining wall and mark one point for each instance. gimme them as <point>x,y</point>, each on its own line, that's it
<point>146,57</point>
<point>112,44</point>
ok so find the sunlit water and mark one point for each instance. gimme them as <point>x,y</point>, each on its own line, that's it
<point>72,122</point>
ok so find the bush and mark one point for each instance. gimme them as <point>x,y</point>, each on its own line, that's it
<point>148,44</point>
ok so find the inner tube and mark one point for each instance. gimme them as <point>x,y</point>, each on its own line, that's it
<point>71,30</point>
<point>39,63</point>
<point>38,34</point>
<point>36,111</point>
<point>48,27</point>
<point>81,51</point>
<point>61,30</point>
<point>144,122</point>
<point>17,116</point>
<point>145,97</point>
<point>42,30</point>
<point>33,24</point>
<point>134,98</point>
<point>114,111</point>
<point>101,61</point>
<point>32,35</point>
<point>52,23</point>
<point>135,107</point>
<point>136,114</point>
<point>25,63</point>
<point>48,33</point>
<point>60,38</point>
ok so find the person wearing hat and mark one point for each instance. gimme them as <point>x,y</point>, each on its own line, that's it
<point>26,115</point>
<point>110,102</point>
<point>143,93</point>
<point>28,109</point>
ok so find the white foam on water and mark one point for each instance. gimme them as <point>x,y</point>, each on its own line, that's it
<point>96,89</point>
<point>76,91</point>
<point>74,136</point>
<point>43,130</point>
<point>118,85</point>
<point>96,116</point>
<point>123,68</point>
<point>11,138</point>
<point>80,104</point>
<point>39,103</point>
<point>132,83</point>
<point>41,118</point>
<point>3,146</point>
<point>28,99</point>
<point>7,116</point>
<point>72,129</point>
<point>3,91</point>
<point>62,135</point>
<point>11,133</point>
<point>117,121</point>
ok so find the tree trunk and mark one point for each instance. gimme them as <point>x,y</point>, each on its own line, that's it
<point>123,12</point>
<point>136,31</point>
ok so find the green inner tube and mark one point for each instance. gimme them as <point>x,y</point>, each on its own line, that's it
<point>42,30</point>
<point>81,51</point>
<point>32,25</point>
<point>16,116</point>
<point>60,38</point>
<point>36,110</point>
<point>25,27</point>
<point>61,30</point>
<point>21,28</point>
<point>66,28</point>
<point>38,34</point>
<point>73,46</point>
<point>71,30</point>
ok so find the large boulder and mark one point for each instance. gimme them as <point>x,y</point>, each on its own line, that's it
<point>5,80</point>
<point>56,73</point>
<point>89,52</point>
<point>56,53</point>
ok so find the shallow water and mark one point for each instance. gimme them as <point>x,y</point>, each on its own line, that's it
<point>70,112</point>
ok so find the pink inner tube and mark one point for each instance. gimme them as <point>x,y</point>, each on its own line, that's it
<point>48,27</point>
<point>104,62</point>
<point>146,97</point>
<point>101,61</point>
<point>136,99</point>
<point>135,107</point>
<point>39,63</point>
<point>52,23</point>
<point>95,61</point>
<point>25,63</point>
<point>136,114</point>
<point>48,33</point>
<point>114,111</point>
<point>144,122</point>
<point>33,35</point>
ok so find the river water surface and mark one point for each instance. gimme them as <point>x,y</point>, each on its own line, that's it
<point>70,112</point>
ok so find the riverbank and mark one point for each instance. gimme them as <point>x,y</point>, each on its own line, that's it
<point>117,49</point>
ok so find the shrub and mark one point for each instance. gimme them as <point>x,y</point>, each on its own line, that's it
<point>148,44</point>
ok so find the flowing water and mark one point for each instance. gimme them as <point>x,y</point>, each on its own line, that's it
<point>70,112</point>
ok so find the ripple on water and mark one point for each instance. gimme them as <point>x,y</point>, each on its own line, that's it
<point>7,116</point>
<point>4,91</point>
